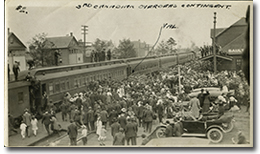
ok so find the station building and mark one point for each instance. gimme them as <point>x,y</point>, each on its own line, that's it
<point>232,41</point>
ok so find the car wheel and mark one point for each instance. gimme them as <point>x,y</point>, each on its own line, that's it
<point>228,127</point>
<point>160,132</point>
<point>215,135</point>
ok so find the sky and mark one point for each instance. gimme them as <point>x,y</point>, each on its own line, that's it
<point>59,18</point>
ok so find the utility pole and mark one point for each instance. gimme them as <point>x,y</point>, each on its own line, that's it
<point>214,44</point>
<point>85,29</point>
<point>179,75</point>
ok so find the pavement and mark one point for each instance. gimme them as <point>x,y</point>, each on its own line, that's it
<point>16,139</point>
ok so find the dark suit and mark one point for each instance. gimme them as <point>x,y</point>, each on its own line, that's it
<point>115,128</point>
<point>148,119</point>
<point>91,119</point>
<point>140,114</point>
<point>104,117</point>
<point>73,133</point>
<point>46,120</point>
<point>131,133</point>
<point>27,120</point>
<point>168,131</point>
<point>122,121</point>
<point>119,139</point>
<point>177,129</point>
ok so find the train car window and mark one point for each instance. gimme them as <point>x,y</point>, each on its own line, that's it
<point>20,97</point>
<point>68,85</point>
<point>57,87</point>
<point>50,88</point>
<point>75,83</point>
<point>63,88</point>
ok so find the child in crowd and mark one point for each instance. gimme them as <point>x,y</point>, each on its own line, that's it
<point>84,134</point>
<point>23,129</point>
<point>34,124</point>
<point>102,136</point>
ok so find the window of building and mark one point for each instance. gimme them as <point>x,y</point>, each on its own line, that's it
<point>68,85</point>
<point>57,87</point>
<point>20,97</point>
<point>239,63</point>
<point>63,88</point>
<point>50,88</point>
<point>75,83</point>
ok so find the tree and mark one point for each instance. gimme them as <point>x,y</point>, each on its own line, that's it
<point>99,45</point>
<point>38,49</point>
<point>125,49</point>
<point>162,48</point>
<point>171,43</point>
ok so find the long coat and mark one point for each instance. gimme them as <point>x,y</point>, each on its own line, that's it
<point>72,131</point>
<point>27,118</point>
<point>168,131</point>
<point>130,130</point>
<point>115,128</point>
<point>104,116</point>
<point>99,127</point>
<point>195,107</point>
<point>46,119</point>
<point>122,121</point>
<point>148,116</point>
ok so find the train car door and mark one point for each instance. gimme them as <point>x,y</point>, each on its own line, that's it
<point>128,70</point>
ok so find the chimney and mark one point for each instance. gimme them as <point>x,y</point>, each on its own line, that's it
<point>71,34</point>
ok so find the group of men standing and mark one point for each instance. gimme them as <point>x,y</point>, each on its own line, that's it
<point>98,56</point>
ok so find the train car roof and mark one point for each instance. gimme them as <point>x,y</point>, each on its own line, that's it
<point>16,84</point>
<point>79,71</point>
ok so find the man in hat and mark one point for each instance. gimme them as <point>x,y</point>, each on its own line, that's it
<point>91,118</point>
<point>27,120</point>
<point>16,70</point>
<point>168,131</point>
<point>104,117</point>
<point>130,132</point>
<point>73,133</point>
<point>122,120</point>
<point>177,129</point>
<point>201,97</point>
<point>119,138</point>
<point>112,116</point>
<point>115,127</point>
<point>46,120</point>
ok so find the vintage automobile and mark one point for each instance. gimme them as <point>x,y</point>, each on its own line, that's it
<point>210,126</point>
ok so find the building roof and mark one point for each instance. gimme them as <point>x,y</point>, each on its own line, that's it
<point>219,31</point>
<point>11,34</point>
<point>218,56</point>
<point>60,42</point>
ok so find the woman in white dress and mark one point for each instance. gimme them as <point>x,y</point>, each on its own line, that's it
<point>99,126</point>
<point>34,123</point>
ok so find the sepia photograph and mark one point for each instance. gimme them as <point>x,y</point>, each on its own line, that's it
<point>150,73</point>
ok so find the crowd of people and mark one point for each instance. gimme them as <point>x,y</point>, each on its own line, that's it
<point>134,103</point>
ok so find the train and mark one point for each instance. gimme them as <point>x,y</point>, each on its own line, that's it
<point>56,81</point>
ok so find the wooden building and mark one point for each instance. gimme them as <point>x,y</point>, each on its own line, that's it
<point>16,52</point>
<point>67,47</point>
<point>232,41</point>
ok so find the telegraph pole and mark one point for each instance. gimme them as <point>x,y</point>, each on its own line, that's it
<point>214,44</point>
<point>84,29</point>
